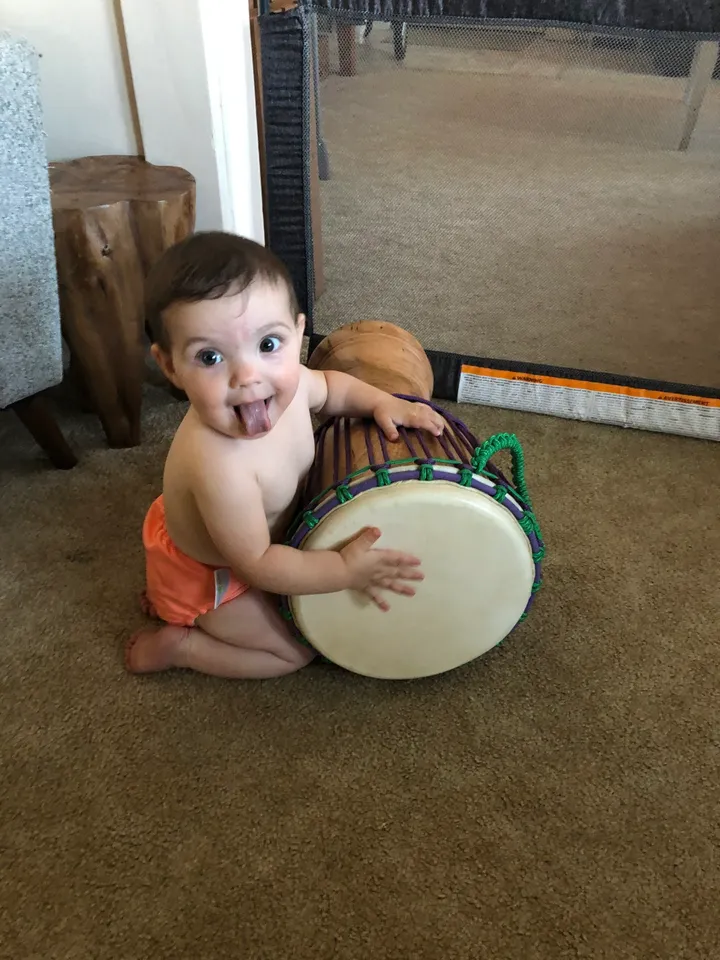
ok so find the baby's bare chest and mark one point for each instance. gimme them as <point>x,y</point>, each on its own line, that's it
<point>284,462</point>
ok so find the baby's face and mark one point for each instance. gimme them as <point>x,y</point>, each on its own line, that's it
<point>237,358</point>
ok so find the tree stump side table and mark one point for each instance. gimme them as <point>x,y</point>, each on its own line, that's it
<point>113,217</point>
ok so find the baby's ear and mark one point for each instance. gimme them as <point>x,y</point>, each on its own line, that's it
<point>300,323</point>
<point>164,361</point>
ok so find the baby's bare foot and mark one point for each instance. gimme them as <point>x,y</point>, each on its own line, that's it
<point>150,650</point>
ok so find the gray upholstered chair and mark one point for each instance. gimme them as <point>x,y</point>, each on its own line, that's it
<point>30,337</point>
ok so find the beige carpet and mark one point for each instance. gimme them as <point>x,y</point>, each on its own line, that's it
<point>522,197</point>
<point>557,798</point>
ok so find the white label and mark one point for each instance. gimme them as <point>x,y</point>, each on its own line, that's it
<point>222,584</point>
<point>596,402</point>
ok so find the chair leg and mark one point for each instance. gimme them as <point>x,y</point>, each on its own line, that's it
<point>701,71</point>
<point>36,415</point>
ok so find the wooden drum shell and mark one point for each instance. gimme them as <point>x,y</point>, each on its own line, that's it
<point>351,445</point>
<point>381,354</point>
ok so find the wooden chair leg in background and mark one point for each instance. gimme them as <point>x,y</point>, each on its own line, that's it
<point>36,415</point>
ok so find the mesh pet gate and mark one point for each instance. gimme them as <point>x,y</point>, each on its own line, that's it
<point>532,189</point>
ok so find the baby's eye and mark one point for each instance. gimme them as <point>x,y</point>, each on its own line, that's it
<point>209,358</point>
<point>269,344</point>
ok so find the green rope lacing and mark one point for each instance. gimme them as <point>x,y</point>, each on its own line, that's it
<point>383,475</point>
<point>343,493</point>
<point>492,446</point>
<point>528,522</point>
<point>482,455</point>
<point>536,586</point>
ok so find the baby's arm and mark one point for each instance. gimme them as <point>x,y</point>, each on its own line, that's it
<point>335,394</point>
<point>231,505</point>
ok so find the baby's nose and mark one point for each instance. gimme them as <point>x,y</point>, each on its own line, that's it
<point>243,374</point>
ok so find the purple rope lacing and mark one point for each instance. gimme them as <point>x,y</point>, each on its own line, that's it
<point>457,444</point>
<point>470,440</point>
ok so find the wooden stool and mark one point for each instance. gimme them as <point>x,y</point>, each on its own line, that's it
<point>113,217</point>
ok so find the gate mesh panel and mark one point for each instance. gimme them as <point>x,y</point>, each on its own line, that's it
<point>523,190</point>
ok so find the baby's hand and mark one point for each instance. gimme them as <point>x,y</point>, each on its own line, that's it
<point>371,571</point>
<point>392,412</point>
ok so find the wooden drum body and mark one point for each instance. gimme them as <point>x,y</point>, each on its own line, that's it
<point>381,354</point>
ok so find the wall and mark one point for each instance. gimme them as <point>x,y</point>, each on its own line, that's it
<point>193,91</point>
<point>84,92</point>
<point>193,80</point>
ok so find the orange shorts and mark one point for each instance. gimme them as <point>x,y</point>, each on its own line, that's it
<point>181,589</point>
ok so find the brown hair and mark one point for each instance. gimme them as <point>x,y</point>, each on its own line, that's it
<point>206,266</point>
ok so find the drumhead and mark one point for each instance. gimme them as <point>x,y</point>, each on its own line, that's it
<point>478,570</point>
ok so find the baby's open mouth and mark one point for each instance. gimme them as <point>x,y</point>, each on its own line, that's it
<point>254,416</point>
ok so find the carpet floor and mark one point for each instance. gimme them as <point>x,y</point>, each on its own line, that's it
<point>521,196</point>
<point>557,798</point>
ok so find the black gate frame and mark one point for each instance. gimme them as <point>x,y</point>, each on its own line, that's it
<point>287,76</point>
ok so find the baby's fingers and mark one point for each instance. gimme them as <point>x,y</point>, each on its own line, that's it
<point>397,586</point>
<point>403,573</point>
<point>377,598</point>
<point>436,426</point>
<point>426,419</point>
<point>394,558</point>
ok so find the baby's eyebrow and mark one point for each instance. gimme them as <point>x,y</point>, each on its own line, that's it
<point>273,325</point>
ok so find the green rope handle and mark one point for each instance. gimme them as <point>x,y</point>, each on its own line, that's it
<point>492,446</point>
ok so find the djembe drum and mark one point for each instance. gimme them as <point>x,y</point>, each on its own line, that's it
<point>439,498</point>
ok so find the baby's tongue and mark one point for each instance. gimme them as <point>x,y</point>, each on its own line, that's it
<point>254,417</point>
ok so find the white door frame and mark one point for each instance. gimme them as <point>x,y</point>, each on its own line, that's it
<point>192,74</point>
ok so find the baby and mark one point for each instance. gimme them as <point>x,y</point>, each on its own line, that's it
<point>227,330</point>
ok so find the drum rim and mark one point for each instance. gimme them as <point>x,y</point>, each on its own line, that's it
<point>422,470</point>
<point>485,517</point>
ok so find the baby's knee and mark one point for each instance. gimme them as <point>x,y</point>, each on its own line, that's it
<point>305,656</point>
<point>300,656</point>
